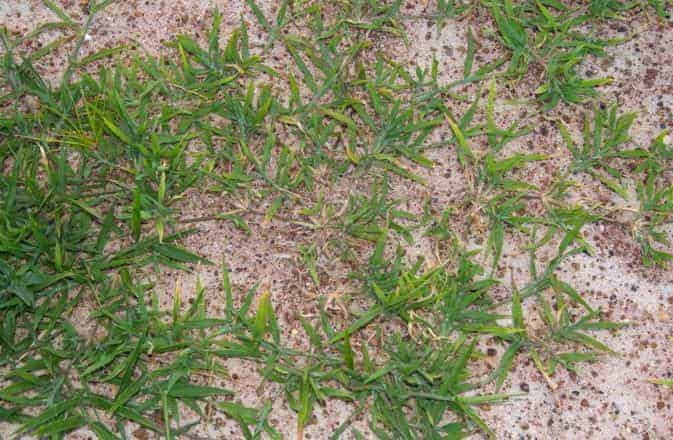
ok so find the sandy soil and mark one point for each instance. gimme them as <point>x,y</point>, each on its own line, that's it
<point>606,400</point>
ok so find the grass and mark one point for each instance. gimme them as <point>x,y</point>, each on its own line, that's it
<point>95,169</point>
<point>552,36</point>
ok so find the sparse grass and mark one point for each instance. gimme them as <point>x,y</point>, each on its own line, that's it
<point>555,37</point>
<point>94,169</point>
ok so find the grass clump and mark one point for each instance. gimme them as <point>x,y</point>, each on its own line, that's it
<point>554,38</point>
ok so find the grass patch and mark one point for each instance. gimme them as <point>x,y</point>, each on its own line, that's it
<point>95,168</point>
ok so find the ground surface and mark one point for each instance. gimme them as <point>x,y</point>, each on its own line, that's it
<point>608,399</point>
